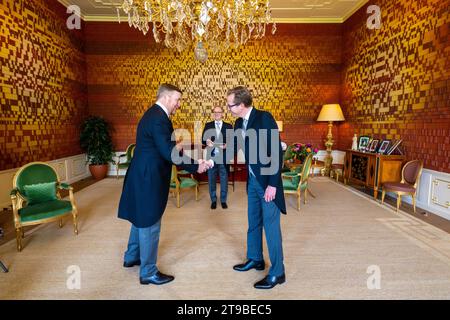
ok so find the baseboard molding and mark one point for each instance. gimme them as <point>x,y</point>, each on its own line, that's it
<point>69,169</point>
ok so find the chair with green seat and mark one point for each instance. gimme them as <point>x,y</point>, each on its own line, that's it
<point>35,198</point>
<point>287,155</point>
<point>296,182</point>
<point>178,182</point>
<point>128,155</point>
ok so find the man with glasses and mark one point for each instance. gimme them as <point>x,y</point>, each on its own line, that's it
<point>214,138</point>
<point>263,157</point>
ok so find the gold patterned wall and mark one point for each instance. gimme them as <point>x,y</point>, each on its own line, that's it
<point>291,74</point>
<point>42,83</point>
<point>396,80</point>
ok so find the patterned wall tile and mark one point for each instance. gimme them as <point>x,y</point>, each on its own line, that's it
<point>396,80</point>
<point>43,93</point>
<point>290,74</point>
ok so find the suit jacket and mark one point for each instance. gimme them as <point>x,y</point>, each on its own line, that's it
<point>264,120</point>
<point>224,154</point>
<point>147,181</point>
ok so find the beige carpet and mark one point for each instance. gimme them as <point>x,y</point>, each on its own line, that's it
<point>328,248</point>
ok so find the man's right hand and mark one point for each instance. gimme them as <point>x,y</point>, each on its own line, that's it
<point>204,165</point>
<point>209,143</point>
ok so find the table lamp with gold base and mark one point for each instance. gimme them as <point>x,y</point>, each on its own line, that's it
<point>330,113</point>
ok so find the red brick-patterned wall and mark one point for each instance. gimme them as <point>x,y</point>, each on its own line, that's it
<point>43,95</point>
<point>396,80</point>
<point>292,74</point>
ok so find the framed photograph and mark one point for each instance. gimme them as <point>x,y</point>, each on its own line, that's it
<point>384,146</point>
<point>373,145</point>
<point>394,146</point>
<point>363,143</point>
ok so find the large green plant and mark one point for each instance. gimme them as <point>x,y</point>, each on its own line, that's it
<point>96,141</point>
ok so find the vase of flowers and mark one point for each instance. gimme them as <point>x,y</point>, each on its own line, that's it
<point>301,151</point>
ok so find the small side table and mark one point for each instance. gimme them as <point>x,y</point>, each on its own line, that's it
<point>317,164</point>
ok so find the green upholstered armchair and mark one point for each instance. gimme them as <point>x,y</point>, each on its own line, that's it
<point>287,155</point>
<point>177,183</point>
<point>35,198</point>
<point>128,155</point>
<point>296,182</point>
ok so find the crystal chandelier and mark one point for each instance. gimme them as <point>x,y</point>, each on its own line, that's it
<point>214,25</point>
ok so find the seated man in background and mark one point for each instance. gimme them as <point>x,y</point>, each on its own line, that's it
<point>214,138</point>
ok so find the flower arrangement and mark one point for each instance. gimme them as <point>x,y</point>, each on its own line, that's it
<point>301,151</point>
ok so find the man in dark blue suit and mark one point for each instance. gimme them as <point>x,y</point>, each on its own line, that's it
<point>214,137</point>
<point>260,138</point>
<point>147,182</point>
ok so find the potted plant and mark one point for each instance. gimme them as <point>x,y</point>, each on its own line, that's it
<point>96,141</point>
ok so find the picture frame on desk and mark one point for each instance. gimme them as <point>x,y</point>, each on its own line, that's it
<point>384,146</point>
<point>395,146</point>
<point>363,143</point>
<point>373,145</point>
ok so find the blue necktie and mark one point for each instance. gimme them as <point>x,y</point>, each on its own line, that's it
<point>216,150</point>
<point>243,136</point>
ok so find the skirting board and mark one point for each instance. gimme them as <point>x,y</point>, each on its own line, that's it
<point>70,170</point>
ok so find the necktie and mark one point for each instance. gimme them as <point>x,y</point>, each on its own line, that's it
<point>216,150</point>
<point>243,136</point>
<point>245,128</point>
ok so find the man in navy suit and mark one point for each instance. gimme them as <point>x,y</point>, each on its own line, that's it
<point>263,156</point>
<point>147,182</point>
<point>214,138</point>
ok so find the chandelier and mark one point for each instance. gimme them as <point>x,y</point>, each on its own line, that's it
<point>214,25</point>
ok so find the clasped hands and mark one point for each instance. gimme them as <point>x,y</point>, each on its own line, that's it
<point>204,165</point>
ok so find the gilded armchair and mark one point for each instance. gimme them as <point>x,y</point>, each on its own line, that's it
<point>178,182</point>
<point>408,185</point>
<point>295,182</point>
<point>35,198</point>
<point>128,155</point>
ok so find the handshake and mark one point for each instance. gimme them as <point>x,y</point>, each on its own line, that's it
<point>204,165</point>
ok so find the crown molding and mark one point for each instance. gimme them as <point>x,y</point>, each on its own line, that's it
<point>114,18</point>
<point>358,6</point>
<point>67,3</point>
<point>307,20</point>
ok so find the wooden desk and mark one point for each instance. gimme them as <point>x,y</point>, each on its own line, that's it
<point>372,169</point>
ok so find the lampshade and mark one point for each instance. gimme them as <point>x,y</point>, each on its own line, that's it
<point>280,126</point>
<point>331,112</point>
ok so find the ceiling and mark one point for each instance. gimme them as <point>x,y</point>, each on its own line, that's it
<point>283,11</point>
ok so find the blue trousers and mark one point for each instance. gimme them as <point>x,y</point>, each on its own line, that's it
<point>212,176</point>
<point>262,214</point>
<point>143,245</point>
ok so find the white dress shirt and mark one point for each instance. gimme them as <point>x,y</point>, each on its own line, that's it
<point>164,108</point>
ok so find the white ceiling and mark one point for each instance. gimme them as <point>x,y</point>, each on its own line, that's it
<point>284,11</point>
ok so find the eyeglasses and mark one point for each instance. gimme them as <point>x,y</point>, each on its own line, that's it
<point>233,105</point>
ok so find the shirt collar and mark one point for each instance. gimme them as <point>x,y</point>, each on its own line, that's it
<point>219,122</point>
<point>164,108</point>
<point>247,116</point>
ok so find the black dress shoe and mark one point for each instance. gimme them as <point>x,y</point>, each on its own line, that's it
<point>158,278</point>
<point>131,264</point>
<point>270,281</point>
<point>250,264</point>
<point>214,205</point>
<point>224,205</point>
